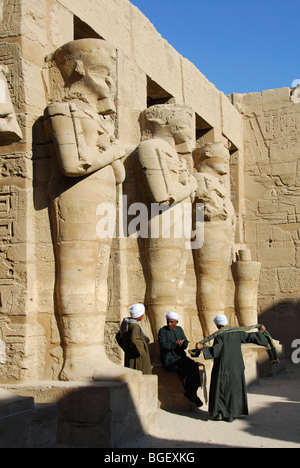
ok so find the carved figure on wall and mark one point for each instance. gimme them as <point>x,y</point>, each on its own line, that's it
<point>166,182</point>
<point>213,259</point>
<point>86,169</point>
<point>10,131</point>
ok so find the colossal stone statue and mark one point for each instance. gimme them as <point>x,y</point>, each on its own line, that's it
<point>86,161</point>
<point>167,185</point>
<point>213,259</point>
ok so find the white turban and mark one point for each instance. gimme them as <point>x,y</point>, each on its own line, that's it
<point>137,310</point>
<point>172,316</point>
<point>221,320</point>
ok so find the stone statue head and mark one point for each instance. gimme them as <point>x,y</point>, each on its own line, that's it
<point>213,157</point>
<point>173,120</point>
<point>10,131</point>
<point>88,67</point>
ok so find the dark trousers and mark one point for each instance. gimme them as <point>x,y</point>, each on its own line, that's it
<point>188,372</point>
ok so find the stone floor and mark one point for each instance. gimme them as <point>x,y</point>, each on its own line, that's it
<point>274,406</point>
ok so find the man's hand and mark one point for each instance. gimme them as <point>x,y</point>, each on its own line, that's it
<point>179,343</point>
<point>199,346</point>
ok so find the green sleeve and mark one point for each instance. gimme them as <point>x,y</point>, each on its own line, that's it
<point>256,338</point>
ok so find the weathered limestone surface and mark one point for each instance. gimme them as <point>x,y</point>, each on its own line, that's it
<point>272,145</point>
<point>64,290</point>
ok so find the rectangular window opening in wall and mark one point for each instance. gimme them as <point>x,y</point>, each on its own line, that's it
<point>83,30</point>
<point>232,148</point>
<point>203,130</point>
<point>156,94</point>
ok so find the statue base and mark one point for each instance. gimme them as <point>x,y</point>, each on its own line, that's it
<point>170,390</point>
<point>265,367</point>
<point>103,414</point>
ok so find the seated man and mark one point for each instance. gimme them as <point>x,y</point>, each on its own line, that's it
<point>173,343</point>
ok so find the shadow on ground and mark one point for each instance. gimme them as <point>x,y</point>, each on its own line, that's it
<point>273,422</point>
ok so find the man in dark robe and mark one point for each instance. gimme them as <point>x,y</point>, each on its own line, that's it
<point>173,343</point>
<point>228,394</point>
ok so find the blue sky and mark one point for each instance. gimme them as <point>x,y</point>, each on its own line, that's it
<point>240,46</point>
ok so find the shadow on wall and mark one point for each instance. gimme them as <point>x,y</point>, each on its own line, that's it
<point>41,159</point>
<point>283,322</point>
<point>96,414</point>
<point>278,414</point>
<point>99,415</point>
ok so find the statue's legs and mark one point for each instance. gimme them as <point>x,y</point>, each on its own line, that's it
<point>167,259</point>
<point>82,308</point>
<point>247,275</point>
<point>82,270</point>
<point>212,263</point>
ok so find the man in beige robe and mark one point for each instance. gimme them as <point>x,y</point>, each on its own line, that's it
<point>134,342</point>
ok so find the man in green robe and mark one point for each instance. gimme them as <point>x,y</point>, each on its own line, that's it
<point>173,343</point>
<point>228,394</point>
<point>134,342</point>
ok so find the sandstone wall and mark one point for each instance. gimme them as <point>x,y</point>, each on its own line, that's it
<point>272,203</point>
<point>149,71</point>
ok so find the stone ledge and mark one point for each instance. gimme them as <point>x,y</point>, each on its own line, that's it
<point>95,414</point>
<point>15,419</point>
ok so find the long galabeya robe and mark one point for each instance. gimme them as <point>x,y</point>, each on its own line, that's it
<point>135,345</point>
<point>228,393</point>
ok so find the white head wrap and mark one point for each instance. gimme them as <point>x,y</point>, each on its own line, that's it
<point>221,320</point>
<point>172,316</point>
<point>137,310</point>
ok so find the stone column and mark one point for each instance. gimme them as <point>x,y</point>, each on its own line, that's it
<point>247,275</point>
